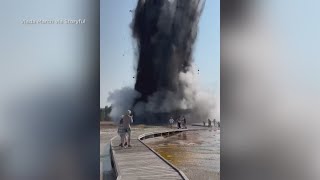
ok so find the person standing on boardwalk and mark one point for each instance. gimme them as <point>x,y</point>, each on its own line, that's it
<point>179,122</point>
<point>127,120</point>
<point>184,122</point>
<point>121,132</point>
<point>171,121</point>
<point>214,122</point>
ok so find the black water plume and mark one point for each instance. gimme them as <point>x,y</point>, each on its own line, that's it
<point>166,83</point>
<point>165,32</point>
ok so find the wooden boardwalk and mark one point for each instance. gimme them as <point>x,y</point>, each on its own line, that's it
<point>141,163</point>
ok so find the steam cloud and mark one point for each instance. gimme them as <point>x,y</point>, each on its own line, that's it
<point>121,101</point>
<point>165,32</point>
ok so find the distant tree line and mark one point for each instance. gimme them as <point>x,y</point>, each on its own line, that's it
<point>105,113</point>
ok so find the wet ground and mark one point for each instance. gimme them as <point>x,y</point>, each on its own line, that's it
<point>196,153</point>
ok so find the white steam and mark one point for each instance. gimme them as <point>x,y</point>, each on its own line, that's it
<point>121,100</point>
<point>202,103</point>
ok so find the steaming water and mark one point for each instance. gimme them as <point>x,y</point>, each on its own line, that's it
<point>196,153</point>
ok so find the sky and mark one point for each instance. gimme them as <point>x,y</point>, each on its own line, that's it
<point>117,53</point>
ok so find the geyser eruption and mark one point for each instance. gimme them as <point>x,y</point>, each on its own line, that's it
<point>165,32</point>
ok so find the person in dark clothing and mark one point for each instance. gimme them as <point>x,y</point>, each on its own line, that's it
<point>184,123</point>
<point>179,123</point>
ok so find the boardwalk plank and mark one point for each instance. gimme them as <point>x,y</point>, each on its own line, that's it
<point>139,163</point>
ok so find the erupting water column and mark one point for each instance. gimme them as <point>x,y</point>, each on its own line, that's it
<point>165,32</point>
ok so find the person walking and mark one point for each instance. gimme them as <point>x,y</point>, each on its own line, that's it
<point>171,121</point>
<point>121,132</point>
<point>209,123</point>
<point>127,121</point>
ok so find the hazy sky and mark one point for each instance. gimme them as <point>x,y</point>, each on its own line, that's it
<point>117,53</point>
